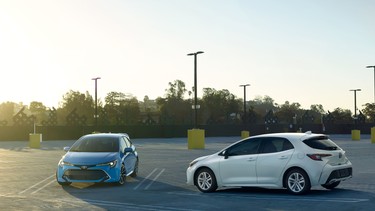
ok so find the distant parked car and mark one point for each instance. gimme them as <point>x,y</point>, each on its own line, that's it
<point>295,161</point>
<point>104,157</point>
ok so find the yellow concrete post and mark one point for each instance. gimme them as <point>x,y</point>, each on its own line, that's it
<point>34,140</point>
<point>356,135</point>
<point>373,135</point>
<point>245,134</point>
<point>195,139</point>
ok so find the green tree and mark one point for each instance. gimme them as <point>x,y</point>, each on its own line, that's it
<point>176,90</point>
<point>289,113</point>
<point>174,109</point>
<point>122,108</point>
<point>220,106</point>
<point>369,111</point>
<point>38,110</point>
<point>7,112</point>
<point>342,116</point>
<point>82,103</point>
<point>261,105</point>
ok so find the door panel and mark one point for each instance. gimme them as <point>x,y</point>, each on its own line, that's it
<point>238,170</point>
<point>270,166</point>
<point>130,161</point>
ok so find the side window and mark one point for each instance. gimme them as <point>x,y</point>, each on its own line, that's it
<point>128,143</point>
<point>122,144</point>
<point>247,147</point>
<point>270,145</point>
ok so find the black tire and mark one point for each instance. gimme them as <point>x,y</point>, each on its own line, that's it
<point>331,186</point>
<point>205,180</point>
<point>297,182</point>
<point>122,178</point>
<point>135,172</point>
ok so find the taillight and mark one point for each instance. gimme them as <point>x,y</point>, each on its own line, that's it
<point>318,156</point>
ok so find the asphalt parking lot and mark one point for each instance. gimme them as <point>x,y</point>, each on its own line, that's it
<point>27,181</point>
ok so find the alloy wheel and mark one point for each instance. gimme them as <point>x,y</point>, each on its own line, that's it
<point>206,181</point>
<point>298,182</point>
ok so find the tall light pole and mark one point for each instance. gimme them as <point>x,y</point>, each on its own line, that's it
<point>374,79</point>
<point>96,102</point>
<point>355,104</point>
<point>195,87</point>
<point>244,103</point>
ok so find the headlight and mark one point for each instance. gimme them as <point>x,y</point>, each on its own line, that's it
<point>110,164</point>
<point>63,163</point>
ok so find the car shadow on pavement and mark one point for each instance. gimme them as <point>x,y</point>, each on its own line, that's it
<point>337,192</point>
<point>137,192</point>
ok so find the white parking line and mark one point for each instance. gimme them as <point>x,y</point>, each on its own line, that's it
<point>155,178</point>
<point>148,176</point>
<point>39,183</point>
<point>43,186</point>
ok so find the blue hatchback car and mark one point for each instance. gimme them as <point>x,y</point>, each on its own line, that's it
<point>103,157</point>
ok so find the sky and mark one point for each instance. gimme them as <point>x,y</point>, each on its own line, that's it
<point>303,51</point>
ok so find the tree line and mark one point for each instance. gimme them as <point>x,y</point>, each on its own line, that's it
<point>216,107</point>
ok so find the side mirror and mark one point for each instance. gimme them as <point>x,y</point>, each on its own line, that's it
<point>66,149</point>
<point>225,154</point>
<point>128,149</point>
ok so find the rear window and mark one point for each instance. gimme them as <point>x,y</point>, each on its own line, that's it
<point>321,142</point>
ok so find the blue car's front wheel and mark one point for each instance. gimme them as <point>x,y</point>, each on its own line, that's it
<point>122,178</point>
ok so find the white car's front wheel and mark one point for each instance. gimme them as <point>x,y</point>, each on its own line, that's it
<point>297,182</point>
<point>205,180</point>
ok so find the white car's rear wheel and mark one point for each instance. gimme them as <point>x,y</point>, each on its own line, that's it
<point>205,180</point>
<point>297,181</point>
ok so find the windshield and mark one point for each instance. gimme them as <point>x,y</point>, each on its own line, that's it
<point>321,142</point>
<point>96,144</point>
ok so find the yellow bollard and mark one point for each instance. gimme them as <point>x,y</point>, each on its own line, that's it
<point>245,134</point>
<point>356,135</point>
<point>195,139</point>
<point>34,140</point>
<point>373,135</point>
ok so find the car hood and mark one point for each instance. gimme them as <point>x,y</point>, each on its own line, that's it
<point>201,158</point>
<point>90,158</point>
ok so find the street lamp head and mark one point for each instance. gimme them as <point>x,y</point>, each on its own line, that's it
<point>244,85</point>
<point>96,78</point>
<point>355,90</point>
<point>193,54</point>
<point>370,66</point>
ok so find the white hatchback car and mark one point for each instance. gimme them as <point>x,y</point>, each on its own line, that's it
<point>296,161</point>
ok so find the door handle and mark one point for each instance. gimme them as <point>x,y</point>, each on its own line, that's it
<point>283,157</point>
<point>251,159</point>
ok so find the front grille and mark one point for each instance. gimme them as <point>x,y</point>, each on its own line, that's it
<point>75,174</point>
<point>340,173</point>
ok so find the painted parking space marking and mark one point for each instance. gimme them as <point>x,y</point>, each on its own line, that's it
<point>147,179</point>
<point>291,198</point>
<point>40,184</point>
<point>155,178</point>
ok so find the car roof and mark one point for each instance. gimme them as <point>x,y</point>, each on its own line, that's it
<point>292,136</point>
<point>107,135</point>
